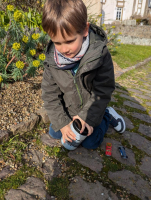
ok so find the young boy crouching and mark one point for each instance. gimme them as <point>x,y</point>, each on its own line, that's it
<point>78,78</point>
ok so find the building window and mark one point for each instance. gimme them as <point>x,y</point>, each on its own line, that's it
<point>139,11</point>
<point>119,14</point>
<point>140,1</point>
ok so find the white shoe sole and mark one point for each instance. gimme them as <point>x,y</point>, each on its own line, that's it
<point>116,115</point>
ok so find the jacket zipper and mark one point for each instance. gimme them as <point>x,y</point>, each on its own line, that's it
<point>76,88</point>
<point>76,83</point>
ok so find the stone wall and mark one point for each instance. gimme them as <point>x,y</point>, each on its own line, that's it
<point>139,35</point>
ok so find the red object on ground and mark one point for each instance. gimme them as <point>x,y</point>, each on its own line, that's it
<point>108,151</point>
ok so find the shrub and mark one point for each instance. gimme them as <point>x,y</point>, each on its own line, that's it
<point>36,5</point>
<point>113,41</point>
<point>21,49</point>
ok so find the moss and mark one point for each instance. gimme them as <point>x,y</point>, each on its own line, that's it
<point>59,188</point>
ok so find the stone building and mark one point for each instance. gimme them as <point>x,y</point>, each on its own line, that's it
<point>118,10</point>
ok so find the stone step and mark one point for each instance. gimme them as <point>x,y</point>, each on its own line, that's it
<point>138,141</point>
<point>132,182</point>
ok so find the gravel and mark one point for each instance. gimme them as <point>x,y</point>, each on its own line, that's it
<point>19,100</point>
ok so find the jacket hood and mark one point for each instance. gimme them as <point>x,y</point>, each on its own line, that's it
<point>98,31</point>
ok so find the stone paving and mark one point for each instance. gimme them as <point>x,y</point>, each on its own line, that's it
<point>90,174</point>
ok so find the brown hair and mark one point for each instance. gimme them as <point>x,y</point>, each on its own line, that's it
<point>64,15</point>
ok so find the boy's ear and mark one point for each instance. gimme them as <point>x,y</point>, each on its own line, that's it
<point>86,31</point>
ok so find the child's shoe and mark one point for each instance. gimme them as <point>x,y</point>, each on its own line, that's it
<point>117,120</point>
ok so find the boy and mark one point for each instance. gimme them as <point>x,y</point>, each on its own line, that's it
<point>78,78</point>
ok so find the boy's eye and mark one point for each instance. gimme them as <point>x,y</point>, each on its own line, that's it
<point>57,43</point>
<point>68,42</point>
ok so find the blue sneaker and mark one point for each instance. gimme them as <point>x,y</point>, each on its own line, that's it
<point>117,120</point>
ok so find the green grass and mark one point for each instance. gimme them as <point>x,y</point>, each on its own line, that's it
<point>128,55</point>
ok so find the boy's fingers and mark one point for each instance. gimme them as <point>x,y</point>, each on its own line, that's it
<point>82,129</point>
<point>73,135</point>
<point>63,139</point>
<point>90,130</point>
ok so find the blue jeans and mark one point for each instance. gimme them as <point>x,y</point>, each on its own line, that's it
<point>95,139</point>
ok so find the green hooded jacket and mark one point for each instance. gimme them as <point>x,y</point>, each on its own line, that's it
<point>87,93</point>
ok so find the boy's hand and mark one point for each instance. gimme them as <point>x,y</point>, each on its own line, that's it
<point>67,134</point>
<point>84,124</point>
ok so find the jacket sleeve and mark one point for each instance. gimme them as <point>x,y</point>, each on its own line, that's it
<point>103,86</point>
<point>51,95</point>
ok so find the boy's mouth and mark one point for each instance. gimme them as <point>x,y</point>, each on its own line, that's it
<point>67,54</point>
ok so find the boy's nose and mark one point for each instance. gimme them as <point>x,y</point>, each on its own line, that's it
<point>64,50</point>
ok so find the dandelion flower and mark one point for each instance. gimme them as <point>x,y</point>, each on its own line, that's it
<point>32,52</point>
<point>20,64</point>
<point>113,27</point>
<point>36,63</point>
<point>16,46</point>
<point>119,40</point>
<point>17,15</point>
<point>10,7</point>
<point>25,39</point>
<point>120,33</point>
<point>35,36</point>
<point>42,56</point>
<point>100,15</point>
<point>1,79</point>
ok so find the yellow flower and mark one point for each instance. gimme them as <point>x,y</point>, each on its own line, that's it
<point>37,1</point>
<point>25,39</point>
<point>108,38</point>
<point>17,15</point>
<point>35,36</point>
<point>1,79</point>
<point>42,56</point>
<point>10,7</point>
<point>36,63</point>
<point>19,64</point>
<point>113,33</point>
<point>100,15</point>
<point>32,52</point>
<point>16,46</point>
<point>113,27</point>
<point>119,40</point>
<point>116,47</point>
<point>120,33</point>
<point>42,5</point>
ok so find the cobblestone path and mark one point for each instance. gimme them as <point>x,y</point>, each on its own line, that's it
<point>46,170</point>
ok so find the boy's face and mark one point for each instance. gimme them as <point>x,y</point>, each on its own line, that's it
<point>70,45</point>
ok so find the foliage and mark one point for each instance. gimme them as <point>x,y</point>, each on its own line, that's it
<point>36,5</point>
<point>113,41</point>
<point>21,48</point>
<point>32,19</point>
<point>13,148</point>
